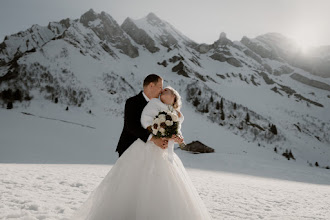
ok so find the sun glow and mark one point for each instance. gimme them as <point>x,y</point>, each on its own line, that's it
<point>305,43</point>
<point>306,37</point>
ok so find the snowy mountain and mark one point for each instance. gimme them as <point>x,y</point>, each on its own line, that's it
<point>151,32</point>
<point>264,91</point>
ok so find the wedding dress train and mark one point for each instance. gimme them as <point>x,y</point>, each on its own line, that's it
<point>144,185</point>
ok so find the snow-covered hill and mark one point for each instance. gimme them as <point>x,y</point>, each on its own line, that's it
<point>260,91</point>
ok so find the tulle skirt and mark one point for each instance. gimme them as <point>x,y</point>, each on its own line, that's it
<point>144,185</point>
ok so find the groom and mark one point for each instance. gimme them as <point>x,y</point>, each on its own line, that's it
<point>152,88</point>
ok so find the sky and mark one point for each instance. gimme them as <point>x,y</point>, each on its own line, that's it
<point>305,21</point>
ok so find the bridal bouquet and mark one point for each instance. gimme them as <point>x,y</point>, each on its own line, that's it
<point>165,124</point>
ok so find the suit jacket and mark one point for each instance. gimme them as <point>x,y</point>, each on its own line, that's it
<point>132,123</point>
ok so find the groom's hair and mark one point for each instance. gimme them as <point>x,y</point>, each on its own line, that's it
<point>152,78</point>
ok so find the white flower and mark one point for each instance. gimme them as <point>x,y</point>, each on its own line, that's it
<point>156,121</point>
<point>154,131</point>
<point>175,117</point>
<point>162,118</point>
<point>162,130</point>
<point>169,123</point>
<point>170,114</point>
<point>155,127</point>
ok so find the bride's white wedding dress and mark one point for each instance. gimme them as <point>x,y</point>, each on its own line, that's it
<point>145,185</point>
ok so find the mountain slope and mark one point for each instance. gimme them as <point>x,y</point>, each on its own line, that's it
<point>91,65</point>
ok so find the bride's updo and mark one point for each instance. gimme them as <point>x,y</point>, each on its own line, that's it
<point>177,99</point>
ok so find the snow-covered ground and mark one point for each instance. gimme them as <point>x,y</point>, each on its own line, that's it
<point>54,191</point>
<point>241,180</point>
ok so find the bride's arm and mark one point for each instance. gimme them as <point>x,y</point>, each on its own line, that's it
<point>147,118</point>
<point>180,116</point>
<point>148,113</point>
<point>179,138</point>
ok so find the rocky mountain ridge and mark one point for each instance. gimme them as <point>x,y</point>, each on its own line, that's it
<point>94,64</point>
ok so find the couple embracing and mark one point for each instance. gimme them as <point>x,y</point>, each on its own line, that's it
<point>148,181</point>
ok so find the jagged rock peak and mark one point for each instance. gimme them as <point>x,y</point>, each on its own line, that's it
<point>270,36</point>
<point>223,36</point>
<point>91,15</point>
<point>279,40</point>
<point>245,38</point>
<point>139,35</point>
<point>106,15</point>
<point>152,18</point>
<point>223,40</point>
<point>274,35</point>
<point>128,20</point>
<point>159,31</point>
<point>106,28</point>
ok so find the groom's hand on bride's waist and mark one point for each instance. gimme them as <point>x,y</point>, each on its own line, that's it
<point>160,142</point>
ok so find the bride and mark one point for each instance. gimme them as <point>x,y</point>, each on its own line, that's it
<point>147,182</point>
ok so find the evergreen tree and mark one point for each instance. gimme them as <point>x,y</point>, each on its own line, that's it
<point>18,95</point>
<point>235,106</point>
<point>217,105</point>
<point>67,108</point>
<point>199,92</point>
<point>196,102</point>
<point>221,104</point>
<point>222,115</point>
<point>275,149</point>
<point>247,118</point>
<point>28,97</point>
<point>273,129</point>
<point>316,164</point>
<point>206,109</point>
<point>56,100</point>
<point>9,105</point>
<point>211,99</point>
<point>7,94</point>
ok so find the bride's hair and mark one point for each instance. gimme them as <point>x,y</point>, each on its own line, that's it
<point>177,99</point>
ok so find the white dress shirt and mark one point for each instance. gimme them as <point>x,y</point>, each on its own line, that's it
<point>147,99</point>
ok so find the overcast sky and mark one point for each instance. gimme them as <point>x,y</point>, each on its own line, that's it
<point>306,21</point>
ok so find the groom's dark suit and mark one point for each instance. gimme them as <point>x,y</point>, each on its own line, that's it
<point>132,123</point>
